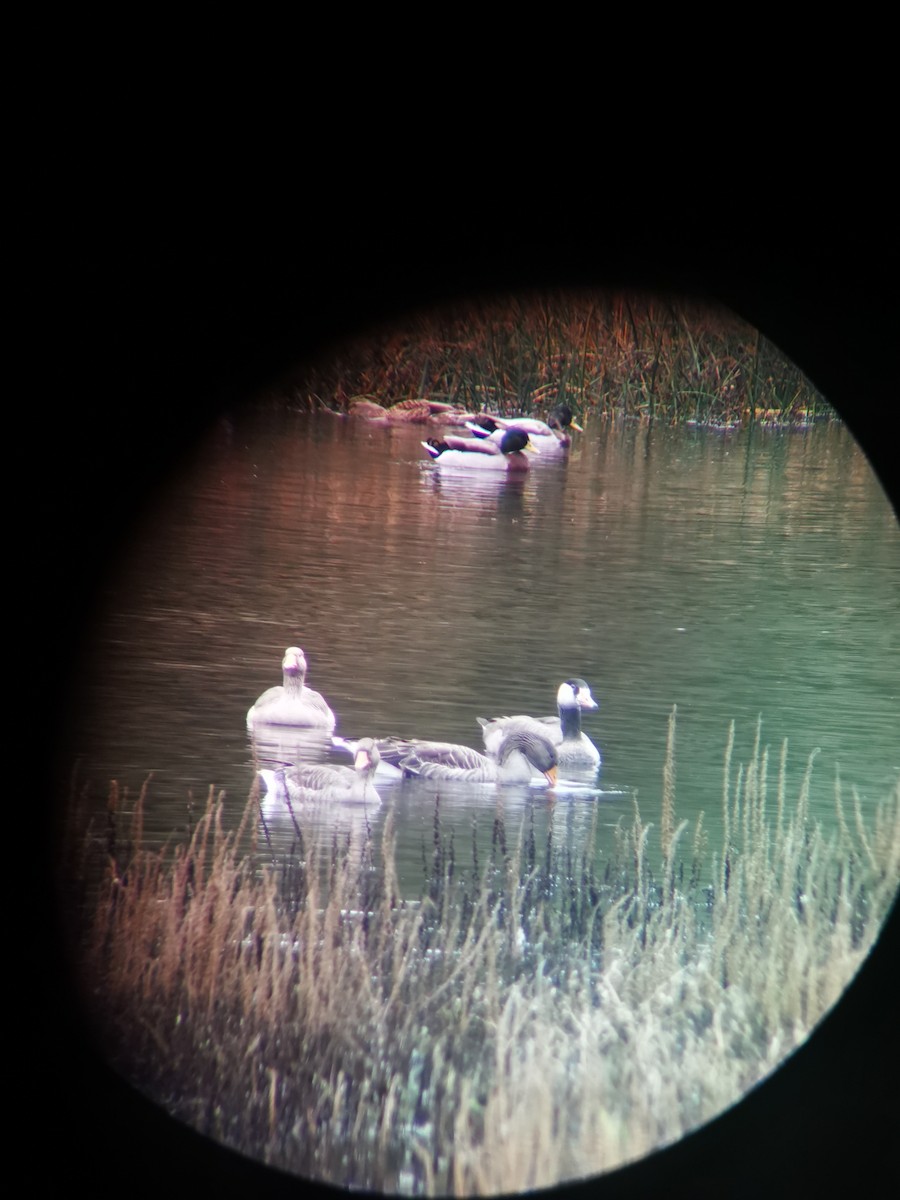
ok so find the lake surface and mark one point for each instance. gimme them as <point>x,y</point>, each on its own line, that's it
<point>733,575</point>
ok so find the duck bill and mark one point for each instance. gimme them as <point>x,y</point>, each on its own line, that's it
<point>574,424</point>
<point>530,447</point>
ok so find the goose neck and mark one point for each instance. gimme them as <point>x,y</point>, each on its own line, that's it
<point>570,721</point>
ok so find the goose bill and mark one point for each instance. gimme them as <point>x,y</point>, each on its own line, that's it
<point>551,775</point>
<point>361,760</point>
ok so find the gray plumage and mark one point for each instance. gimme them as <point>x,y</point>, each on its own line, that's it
<point>576,753</point>
<point>325,782</point>
<point>520,756</point>
<point>291,702</point>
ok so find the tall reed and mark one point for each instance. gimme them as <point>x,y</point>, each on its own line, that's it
<point>635,356</point>
<point>544,1012</point>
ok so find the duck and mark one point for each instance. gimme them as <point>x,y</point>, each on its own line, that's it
<point>326,782</point>
<point>521,755</point>
<point>292,703</point>
<point>506,453</point>
<point>547,436</point>
<point>561,419</point>
<point>407,412</point>
<point>576,753</point>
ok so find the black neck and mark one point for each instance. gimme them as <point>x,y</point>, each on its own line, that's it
<point>570,721</point>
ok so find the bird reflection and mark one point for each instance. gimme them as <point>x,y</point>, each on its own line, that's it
<point>275,747</point>
<point>461,488</point>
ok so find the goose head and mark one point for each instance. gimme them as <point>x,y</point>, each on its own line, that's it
<point>536,748</point>
<point>366,757</point>
<point>293,665</point>
<point>575,693</point>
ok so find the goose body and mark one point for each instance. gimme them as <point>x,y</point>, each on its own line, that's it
<point>324,782</point>
<point>520,756</point>
<point>506,453</point>
<point>576,753</point>
<point>292,703</point>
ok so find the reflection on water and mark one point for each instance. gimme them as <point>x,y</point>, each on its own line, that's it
<point>278,746</point>
<point>732,576</point>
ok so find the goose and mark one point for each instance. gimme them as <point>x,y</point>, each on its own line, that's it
<point>502,454</point>
<point>575,751</point>
<point>390,750</point>
<point>519,756</point>
<point>292,703</point>
<point>326,782</point>
<point>550,435</point>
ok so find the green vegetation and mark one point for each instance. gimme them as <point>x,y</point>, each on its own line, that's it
<point>610,354</point>
<point>546,1014</point>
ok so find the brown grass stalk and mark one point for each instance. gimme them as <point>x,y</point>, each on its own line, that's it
<point>541,1018</point>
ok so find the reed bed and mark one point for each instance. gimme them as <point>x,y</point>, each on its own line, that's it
<point>639,357</point>
<point>542,1013</point>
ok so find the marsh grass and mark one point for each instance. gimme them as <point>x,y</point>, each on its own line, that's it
<point>544,1011</point>
<point>639,357</point>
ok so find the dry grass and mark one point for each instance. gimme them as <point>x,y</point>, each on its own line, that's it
<point>647,357</point>
<point>543,1015</point>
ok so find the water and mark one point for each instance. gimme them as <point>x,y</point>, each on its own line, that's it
<point>730,575</point>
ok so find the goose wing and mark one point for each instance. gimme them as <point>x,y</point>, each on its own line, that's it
<point>317,703</point>
<point>495,729</point>
<point>306,783</point>
<point>447,760</point>
<point>447,754</point>
<point>269,697</point>
<point>320,777</point>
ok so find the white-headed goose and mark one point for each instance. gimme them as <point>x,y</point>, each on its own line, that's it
<point>575,750</point>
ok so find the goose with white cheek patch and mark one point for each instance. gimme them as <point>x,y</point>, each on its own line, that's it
<point>576,753</point>
<point>292,702</point>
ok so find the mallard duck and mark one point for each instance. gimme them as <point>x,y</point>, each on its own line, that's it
<point>575,751</point>
<point>502,454</point>
<point>561,419</point>
<point>519,755</point>
<point>546,436</point>
<point>305,784</point>
<point>407,412</point>
<point>292,703</point>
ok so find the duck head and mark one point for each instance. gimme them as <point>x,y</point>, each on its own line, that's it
<point>517,439</point>
<point>561,417</point>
